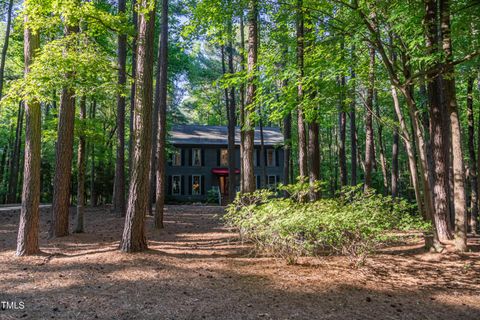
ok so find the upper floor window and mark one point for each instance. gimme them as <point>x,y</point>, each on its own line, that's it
<point>196,157</point>
<point>270,157</point>
<point>224,157</point>
<point>177,157</point>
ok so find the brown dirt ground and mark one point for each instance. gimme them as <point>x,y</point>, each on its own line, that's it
<point>198,269</point>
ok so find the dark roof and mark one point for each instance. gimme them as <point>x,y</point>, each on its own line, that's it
<point>200,134</point>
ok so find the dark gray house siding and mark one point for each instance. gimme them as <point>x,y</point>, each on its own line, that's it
<point>190,176</point>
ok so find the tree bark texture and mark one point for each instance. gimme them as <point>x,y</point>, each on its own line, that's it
<point>81,168</point>
<point>436,111</point>
<point>161,100</point>
<point>27,239</point>
<point>460,203</point>
<point>119,182</point>
<point>342,131</point>
<point>302,135</point>
<point>133,238</point>
<point>63,157</point>
<point>249,126</point>
<point>369,140</point>
<point>473,157</point>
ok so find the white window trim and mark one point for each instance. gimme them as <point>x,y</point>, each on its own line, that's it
<point>274,160</point>
<point>200,184</point>
<point>223,164</point>
<point>180,185</point>
<point>199,157</point>
<point>177,153</point>
<point>274,186</point>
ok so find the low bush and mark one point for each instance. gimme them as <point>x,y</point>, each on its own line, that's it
<point>212,196</point>
<point>353,223</point>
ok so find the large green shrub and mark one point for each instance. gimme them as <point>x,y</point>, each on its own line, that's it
<point>352,223</point>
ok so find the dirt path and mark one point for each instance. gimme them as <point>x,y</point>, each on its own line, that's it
<point>197,269</point>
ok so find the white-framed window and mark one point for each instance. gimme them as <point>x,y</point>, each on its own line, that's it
<point>196,185</point>
<point>177,157</point>
<point>272,182</point>
<point>270,157</point>
<point>196,157</point>
<point>224,157</point>
<point>176,185</point>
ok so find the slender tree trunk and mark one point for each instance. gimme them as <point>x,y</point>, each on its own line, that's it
<point>394,174</point>
<point>153,158</point>
<point>475,221</point>
<point>119,181</point>
<point>81,165</point>
<point>161,100</point>
<point>263,168</point>
<point>133,238</point>
<point>353,129</point>
<point>229,103</point>
<point>342,130</point>
<point>302,136</point>
<point>381,146</point>
<point>314,155</point>
<point>224,71</point>
<point>412,162</point>
<point>5,45</point>
<point>249,177</point>
<point>155,127</point>
<point>132,89</point>
<point>27,240</point>
<point>369,144</point>
<point>93,190</point>
<point>460,203</point>
<point>287,147</point>
<point>242,103</point>
<point>473,157</point>
<point>425,167</point>
<point>3,163</point>
<point>447,138</point>
<point>313,147</point>
<point>360,157</point>
<point>10,147</point>
<point>332,143</point>
<point>231,124</point>
<point>63,157</point>
<point>15,158</point>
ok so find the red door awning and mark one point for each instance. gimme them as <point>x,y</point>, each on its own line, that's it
<point>223,171</point>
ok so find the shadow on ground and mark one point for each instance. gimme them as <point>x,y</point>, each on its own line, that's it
<point>197,269</point>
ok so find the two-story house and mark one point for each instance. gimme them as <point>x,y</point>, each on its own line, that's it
<point>199,161</point>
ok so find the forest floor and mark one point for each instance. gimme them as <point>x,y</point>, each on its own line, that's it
<point>198,269</point>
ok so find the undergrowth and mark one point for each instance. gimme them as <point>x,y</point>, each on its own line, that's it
<point>354,223</point>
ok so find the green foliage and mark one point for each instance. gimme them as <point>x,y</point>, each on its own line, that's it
<point>212,196</point>
<point>353,223</point>
<point>94,73</point>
